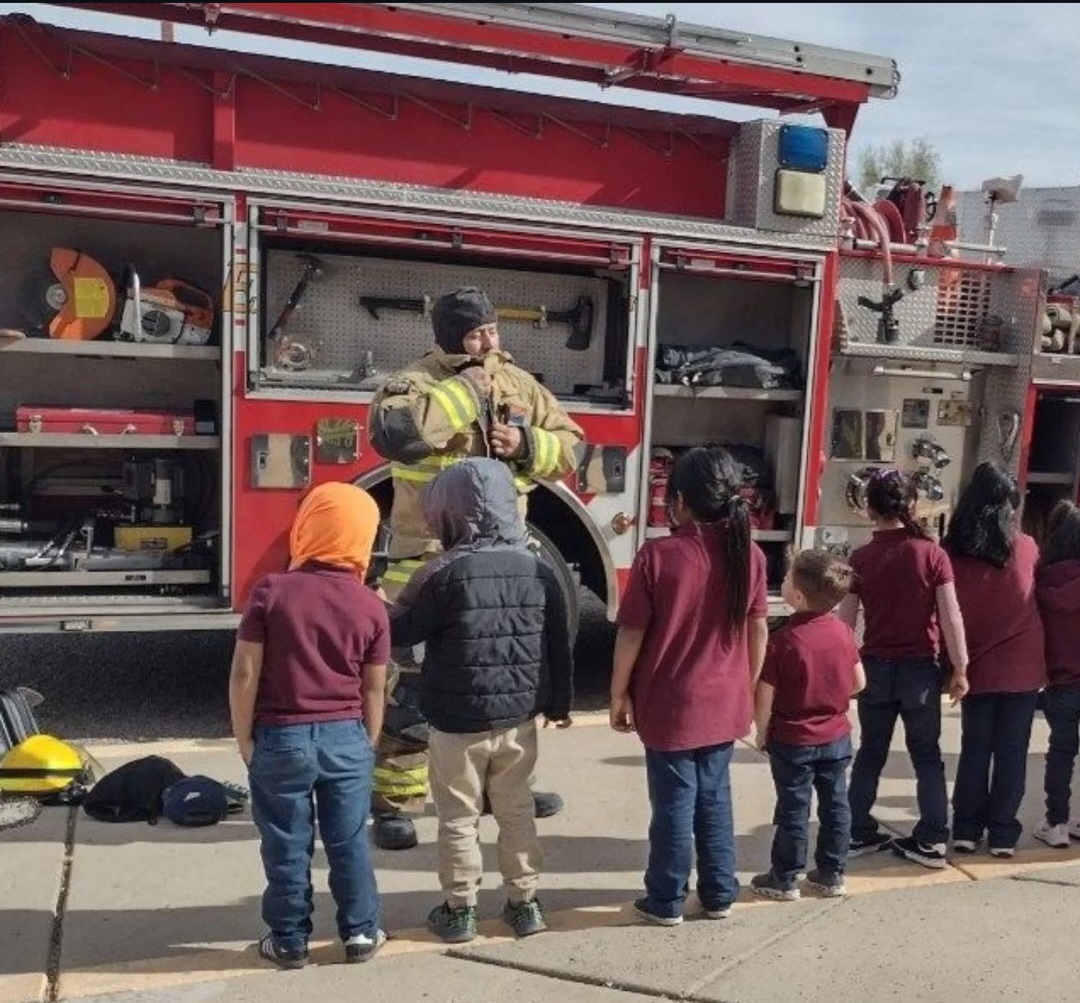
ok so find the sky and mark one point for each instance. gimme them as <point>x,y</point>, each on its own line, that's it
<point>993,87</point>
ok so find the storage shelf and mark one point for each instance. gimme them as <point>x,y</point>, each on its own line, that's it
<point>46,440</point>
<point>1042,477</point>
<point>725,393</point>
<point>107,349</point>
<point>759,535</point>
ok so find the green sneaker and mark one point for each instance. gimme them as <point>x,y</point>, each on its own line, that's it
<point>525,918</point>
<point>455,926</point>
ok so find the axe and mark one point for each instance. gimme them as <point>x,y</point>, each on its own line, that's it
<point>579,317</point>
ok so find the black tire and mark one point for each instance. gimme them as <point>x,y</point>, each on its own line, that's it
<point>550,555</point>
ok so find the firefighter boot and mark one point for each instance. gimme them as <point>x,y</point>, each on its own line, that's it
<point>392,831</point>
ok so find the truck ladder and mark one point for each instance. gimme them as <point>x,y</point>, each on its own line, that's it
<point>569,41</point>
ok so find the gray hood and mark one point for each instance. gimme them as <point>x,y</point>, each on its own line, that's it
<point>474,504</point>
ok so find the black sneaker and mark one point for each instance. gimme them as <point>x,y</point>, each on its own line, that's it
<point>524,918</point>
<point>393,832</point>
<point>829,886</point>
<point>269,949</point>
<point>544,805</point>
<point>455,926</point>
<point>928,854</point>
<point>869,844</point>
<point>767,887</point>
<point>359,949</point>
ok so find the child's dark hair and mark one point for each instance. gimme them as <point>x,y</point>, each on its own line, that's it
<point>1062,541</point>
<point>984,523</point>
<point>708,482</point>
<point>823,578</point>
<point>890,494</point>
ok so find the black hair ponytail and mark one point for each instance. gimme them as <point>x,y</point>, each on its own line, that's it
<point>890,494</point>
<point>708,480</point>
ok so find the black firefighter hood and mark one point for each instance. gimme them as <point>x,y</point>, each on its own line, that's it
<point>474,504</point>
<point>1058,587</point>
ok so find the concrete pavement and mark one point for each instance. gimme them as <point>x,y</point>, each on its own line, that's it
<point>163,913</point>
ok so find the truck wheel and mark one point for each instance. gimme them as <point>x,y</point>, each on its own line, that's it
<point>568,579</point>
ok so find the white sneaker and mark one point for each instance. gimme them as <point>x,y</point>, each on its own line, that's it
<point>965,845</point>
<point>1002,852</point>
<point>1053,835</point>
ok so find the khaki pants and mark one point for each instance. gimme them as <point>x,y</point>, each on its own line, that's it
<point>462,766</point>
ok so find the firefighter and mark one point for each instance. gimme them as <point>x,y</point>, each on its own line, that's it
<point>464,397</point>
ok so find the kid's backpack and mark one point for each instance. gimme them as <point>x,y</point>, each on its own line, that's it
<point>196,800</point>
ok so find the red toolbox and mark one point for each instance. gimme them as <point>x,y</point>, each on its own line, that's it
<point>101,421</point>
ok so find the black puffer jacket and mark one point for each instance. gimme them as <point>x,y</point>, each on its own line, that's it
<point>490,612</point>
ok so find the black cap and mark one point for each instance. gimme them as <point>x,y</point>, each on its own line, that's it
<point>456,314</point>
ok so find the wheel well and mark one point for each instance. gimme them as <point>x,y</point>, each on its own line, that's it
<point>547,511</point>
<point>558,521</point>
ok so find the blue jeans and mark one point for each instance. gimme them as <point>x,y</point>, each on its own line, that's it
<point>690,794</point>
<point>1062,710</point>
<point>796,770</point>
<point>992,772</point>
<point>299,772</point>
<point>910,691</point>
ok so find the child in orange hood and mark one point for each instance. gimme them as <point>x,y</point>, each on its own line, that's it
<point>307,694</point>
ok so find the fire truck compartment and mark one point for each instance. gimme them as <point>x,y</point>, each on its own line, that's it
<point>365,313</point>
<point>731,358</point>
<point>111,476</point>
<point>1053,466</point>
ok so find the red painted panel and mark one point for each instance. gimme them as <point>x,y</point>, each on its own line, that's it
<point>99,107</point>
<point>819,404</point>
<point>424,148</point>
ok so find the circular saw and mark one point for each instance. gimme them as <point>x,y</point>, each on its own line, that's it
<point>74,299</point>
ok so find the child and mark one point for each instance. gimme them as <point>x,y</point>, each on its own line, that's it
<point>994,565</point>
<point>308,674</point>
<point>1057,584</point>
<point>498,653</point>
<point>692,635</point>
<point>905,583</point>
<point>811,672</point>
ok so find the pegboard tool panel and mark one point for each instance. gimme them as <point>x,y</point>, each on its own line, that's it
<point>331,315</point>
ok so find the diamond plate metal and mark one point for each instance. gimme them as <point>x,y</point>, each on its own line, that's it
<point>754,161</point>
<point>942,320</point>
<point>1018,299</point>
<point>332,317</point>
<point>281,183</point>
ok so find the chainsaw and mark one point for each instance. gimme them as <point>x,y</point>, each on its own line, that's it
<point>172,312</point>
<point>579,318</point>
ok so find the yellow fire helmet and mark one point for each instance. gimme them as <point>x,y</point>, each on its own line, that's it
<point>40,765</point>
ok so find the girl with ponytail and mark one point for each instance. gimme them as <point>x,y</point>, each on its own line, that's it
<point>904,582</point>
<point>692,637</point>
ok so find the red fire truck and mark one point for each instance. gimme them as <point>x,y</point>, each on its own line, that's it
<point>212,259</point>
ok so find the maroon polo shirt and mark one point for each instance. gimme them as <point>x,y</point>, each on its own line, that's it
<point>319,626</point>
<point>897,576</point>
<point>691,683</point>
<point>811,664</point>
<point>1001,621</point>
<point>1058,590</point>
